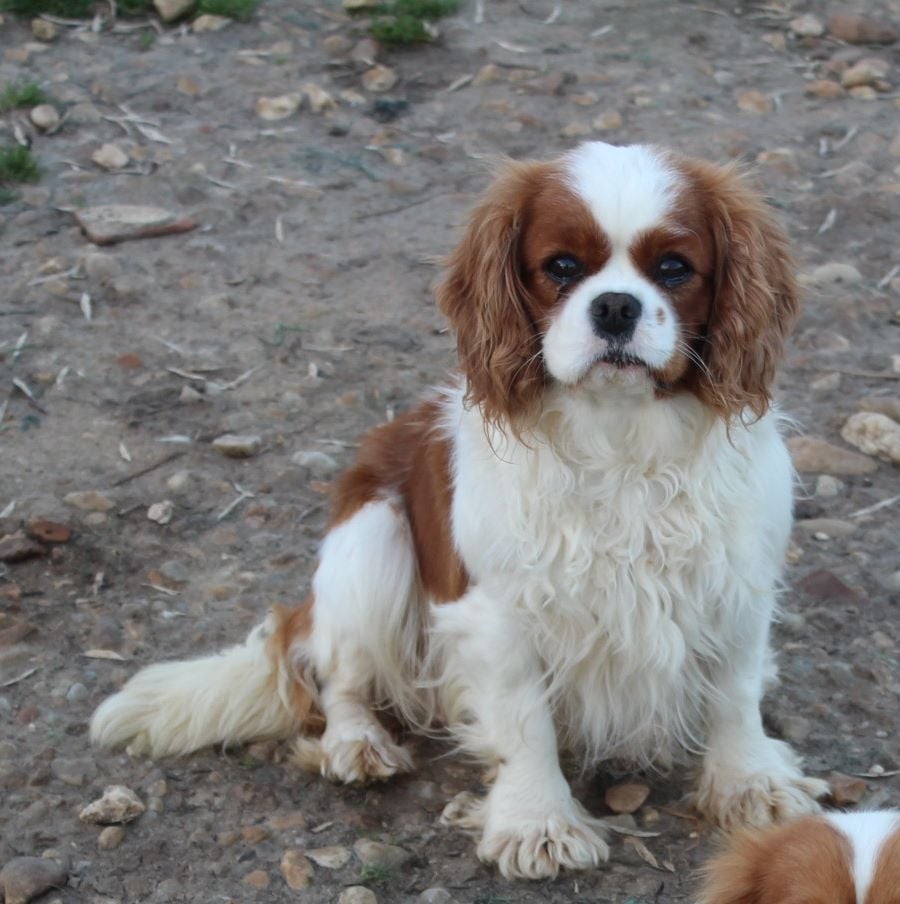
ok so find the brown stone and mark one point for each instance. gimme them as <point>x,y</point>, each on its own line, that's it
<point>259,878</point>
<point>813,455</point>
<point>858,28</point>
<point>846,789</point>
<point>824,88</point>
<point>296,869</point>
<point>826,587</point>
<point>626,797</point>
<point>48,531</point>
<point>108,224</point>
<point>17,547</point>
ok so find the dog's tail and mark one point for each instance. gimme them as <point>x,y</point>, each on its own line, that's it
<point>258,690</point>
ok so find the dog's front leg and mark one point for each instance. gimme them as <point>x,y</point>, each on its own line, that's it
<point>747,777</point>
<point>496,701</point>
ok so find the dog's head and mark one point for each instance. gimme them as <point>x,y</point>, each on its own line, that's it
<point>617,266</point>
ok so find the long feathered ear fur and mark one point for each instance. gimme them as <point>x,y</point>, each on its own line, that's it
<point>755,299</point>
<point>484,298</point>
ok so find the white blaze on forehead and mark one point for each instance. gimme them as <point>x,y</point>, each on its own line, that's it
<point>628,189</point>
<point>867,833</point>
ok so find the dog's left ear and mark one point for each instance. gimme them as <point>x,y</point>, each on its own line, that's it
<point>755,299</point>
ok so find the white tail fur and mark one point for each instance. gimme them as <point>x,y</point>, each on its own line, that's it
<point>244,693</point>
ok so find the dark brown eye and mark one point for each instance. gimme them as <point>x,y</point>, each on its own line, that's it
<point>563,269</point>
<point>672,272</point>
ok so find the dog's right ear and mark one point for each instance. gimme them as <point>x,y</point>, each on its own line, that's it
<point>484,297</point>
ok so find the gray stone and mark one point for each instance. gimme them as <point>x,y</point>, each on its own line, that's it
<point>107,224</point>
<point>238,446</point>
<point>117,805</point>
<point>24,878</point>
<point>380,855</point>
<point>357,894</point>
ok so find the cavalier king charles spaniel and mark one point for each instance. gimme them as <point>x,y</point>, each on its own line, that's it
<point>575,544</point>
<point>840,858</point>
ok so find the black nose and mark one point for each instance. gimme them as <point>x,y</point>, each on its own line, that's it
<point>615,315</point>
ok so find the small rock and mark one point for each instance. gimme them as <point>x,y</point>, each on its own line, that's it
<point>99,267</point>
<point>858,28</point>
<point>296,869</point>
<point>608,121</point>
<point>90,501</point>
<point>237,446</point>
<point>380,855</point>
<point>364,52</point>
<point>161,512</point>
<point>319,99</point>
<point>333,857</point>
<point>44,30</point>
<point>827,487</point>
<point>189,87</point>
<point>824,88</point>
<point>337,45</point>
<point>891,583</point>
<point>255,834</point>
<point>24,878</point>
<point>318,462</point>
<point>379,79</point>
<point>117,805</point>
<point>793,728</point>
<point>357,894</point>
<point>170,10</point>
<point>827,587</point>
<point>861,92</point>
<point>110,838</point>
<point>45,117</point>
<point>110,223</point>
<point>754,101</point>
<point>179,481</point>
<point>259,879</point>
<point>284,822</point>
<point>173,573</point>
<point>829,274</point>
<point>846,789</point>
<point>77,693</point>
<point>626,797</point>
<point>577,129</point>
<point>48,531</point>
<point>280,107</point>
<point>72,772</point>
<point>886,405</point>
<point>826,527</point>
<point>865,72</point>
<point>209,22</point>
<point>355,6</point>
<point>784,160</point>
<point>875,434</point>
<point>435,896</point>
<point>807,26</point>
<point>16,547</point>
<point>110,157</point>
<point>814,455</point>
<point>829,382</point>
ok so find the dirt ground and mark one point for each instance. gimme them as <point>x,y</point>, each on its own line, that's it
<point>300,311</point>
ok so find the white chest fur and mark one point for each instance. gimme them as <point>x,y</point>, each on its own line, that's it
<point>633,537</point>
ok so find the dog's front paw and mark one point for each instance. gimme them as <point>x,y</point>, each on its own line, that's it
<point>361,752</point>
<point>759,790</point>
<point>538,847</point>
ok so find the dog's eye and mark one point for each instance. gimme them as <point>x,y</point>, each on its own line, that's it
<point>563,269</point>
<point>672,272</point>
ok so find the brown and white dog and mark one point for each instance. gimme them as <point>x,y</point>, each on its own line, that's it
<point>837,858</point>
<point>575,543</point>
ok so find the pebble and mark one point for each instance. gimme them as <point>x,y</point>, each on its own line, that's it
<point>179,481</point>
<point>754,101</point>
<point>858,28</point>
<point>318,98</point>
<point>255,834</point>
<point>110,838</point>
<point>826,587</point>
<point>626,797</point>
<point>829,274</point>
<point>174,572</point>
<point>46,531</point>
<point>826,528</point>
<point>863,92</point>
<point>237,446</point>
<point>110,157</point>
<point>210,22</point>
<point>108,224</point>
<point>357,894</point>
<point>435,895</point>
<point>337,45</point>
<point>317,462</point>
<point>891,583</point>
<point>279,107</point>
<point>827,487</point>
<point>45,117</point>
<point>333,857</point>
<point>608,121</point>
<point>24,878</point>
<point>807,26</point>
<point>72,772</point>
<point>875,434</point>
<point>17,547</point>
<point>795,729</point>
<point>364,52</point>
<point>379,79</point>
<point>784,160</point>
<point>865,72</point>
<point>77,693</point>
<point>824,88</point>
<point>161,512</point>
<point>170,10</point>
<point>258,878</point>
<point>89,501</point>
<point>887,405</point>
<point>380,855</point>
<point>284,822</point>
<point>827,382</point>
<point>355,6</point>
<point>117,805</point>
<point>296,869</point>
<point>814,455</point>
<point>846,789</point>
<point>44,30</point>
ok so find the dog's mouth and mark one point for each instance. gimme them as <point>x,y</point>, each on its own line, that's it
<point>621,360</point>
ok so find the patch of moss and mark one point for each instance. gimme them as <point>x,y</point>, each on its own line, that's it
<point>241,10</point>
<point>21,94</point>
<point>72,9</point>
<point>404,21</point>
<point>18,164</point>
